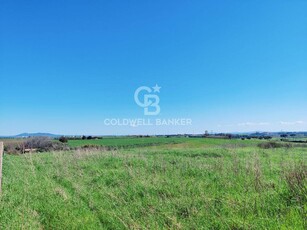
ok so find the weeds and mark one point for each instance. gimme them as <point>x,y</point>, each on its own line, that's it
<point>196,188</point>
<point>274,145</point>
<point>296,180</point>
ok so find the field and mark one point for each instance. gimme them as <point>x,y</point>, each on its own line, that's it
<point>127,142</point>
<point>157,183</point>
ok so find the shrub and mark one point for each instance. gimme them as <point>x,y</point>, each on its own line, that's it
<point>14,147</point>
<point>44,144</point>
<point>63,139</point>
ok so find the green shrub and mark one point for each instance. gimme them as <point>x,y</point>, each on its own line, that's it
<point>63,139</point>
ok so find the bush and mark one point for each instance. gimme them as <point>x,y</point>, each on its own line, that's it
<point>63,139</point>
<point>14,147</point>
<point>43,144</point>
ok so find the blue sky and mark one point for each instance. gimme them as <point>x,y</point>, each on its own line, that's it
<point>66,66</point>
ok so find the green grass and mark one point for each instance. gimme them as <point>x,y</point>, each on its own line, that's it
<point>179,184</point>
<point>124,142</point>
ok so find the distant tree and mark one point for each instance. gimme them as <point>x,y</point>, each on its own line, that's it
<point>63,139</point>
<point>89,137</point>
<point>283,135</point>
<point>83,137</point>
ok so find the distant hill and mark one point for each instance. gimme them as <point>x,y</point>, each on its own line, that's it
<point>37,135</point>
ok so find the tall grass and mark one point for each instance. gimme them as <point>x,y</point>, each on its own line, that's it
<point>195,188</point>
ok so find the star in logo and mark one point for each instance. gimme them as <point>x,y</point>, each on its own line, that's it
<point>156,88</point>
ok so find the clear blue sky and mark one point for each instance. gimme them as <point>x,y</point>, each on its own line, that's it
<point>65,66</point>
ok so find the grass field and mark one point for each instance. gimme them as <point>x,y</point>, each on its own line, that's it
<point>155,183</point>
<point>126,142</point>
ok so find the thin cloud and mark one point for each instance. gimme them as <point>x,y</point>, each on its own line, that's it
<point>292,122</point>
<point>245,124</point>
<point>253,123</point>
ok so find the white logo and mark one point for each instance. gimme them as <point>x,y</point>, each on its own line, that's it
<point>150,100</point>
